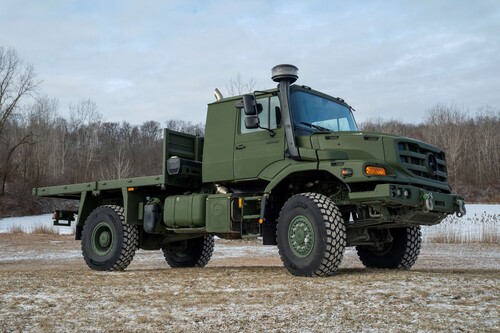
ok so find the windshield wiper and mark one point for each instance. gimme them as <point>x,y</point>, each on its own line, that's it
<point>319,128</point>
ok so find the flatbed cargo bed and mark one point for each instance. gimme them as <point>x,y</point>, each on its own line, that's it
<point>74,191</point>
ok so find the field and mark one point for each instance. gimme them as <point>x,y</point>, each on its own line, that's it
<point>45,286</point>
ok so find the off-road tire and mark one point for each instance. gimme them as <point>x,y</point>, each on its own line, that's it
<point>311,235</point>
<point>108,243</point>
<point>402,253</point>
<point>196,252</point>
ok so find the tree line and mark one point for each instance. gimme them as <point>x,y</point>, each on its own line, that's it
<point>39,147</point>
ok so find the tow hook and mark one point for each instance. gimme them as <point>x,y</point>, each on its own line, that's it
<point>428,200</point>
<point>461,207</point>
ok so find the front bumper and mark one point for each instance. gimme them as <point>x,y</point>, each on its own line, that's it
<point>419,206</point>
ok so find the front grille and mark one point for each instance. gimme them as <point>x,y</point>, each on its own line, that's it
<point>416,159</point>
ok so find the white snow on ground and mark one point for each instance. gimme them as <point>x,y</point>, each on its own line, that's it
<point>471,225</point>
<point>29,223</point>
<point>229,251</point>
<point>49,255</point>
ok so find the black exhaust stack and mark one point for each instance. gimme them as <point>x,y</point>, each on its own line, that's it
<point>285,75</point>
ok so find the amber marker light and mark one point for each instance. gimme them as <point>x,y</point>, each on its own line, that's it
<point>346,172</point>
<point>240,203</point>
<point>371,170</point>
<point>131,189</point>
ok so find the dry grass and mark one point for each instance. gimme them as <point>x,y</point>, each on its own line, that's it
<point>482,228</point>
<point>37,230</point>
<point>16,230</point>
<point>252,299</point>
<point>44,230</point>
<point>452,288</point>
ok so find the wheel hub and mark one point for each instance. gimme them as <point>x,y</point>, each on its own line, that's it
<point>102,239</point>
<point>301,236</point>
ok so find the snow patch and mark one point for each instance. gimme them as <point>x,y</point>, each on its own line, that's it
<point>471,226</point>
<point>31,255</point>
<point>30,223</point>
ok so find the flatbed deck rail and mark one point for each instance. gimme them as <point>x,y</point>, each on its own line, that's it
<point>73,191</point>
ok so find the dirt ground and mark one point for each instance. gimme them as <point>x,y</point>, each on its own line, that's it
<point>45,286</point>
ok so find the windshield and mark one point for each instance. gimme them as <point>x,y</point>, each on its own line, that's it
<point>313,113</point>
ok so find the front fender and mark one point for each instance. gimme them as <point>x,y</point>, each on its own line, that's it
<point>287,170</point>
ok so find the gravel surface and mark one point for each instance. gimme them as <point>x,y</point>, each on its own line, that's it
<point>45,286</point>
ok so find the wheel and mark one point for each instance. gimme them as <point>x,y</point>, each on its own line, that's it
<point>194,252</point>
<point>401,253</point>
<point>311,235</point>
<point>108,244</point>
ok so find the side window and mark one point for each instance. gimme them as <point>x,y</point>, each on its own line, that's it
<point>275,112</point>
<point>269,117</point>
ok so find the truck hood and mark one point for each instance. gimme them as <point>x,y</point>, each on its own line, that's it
<point>405,156</point>
<point>346,145</point>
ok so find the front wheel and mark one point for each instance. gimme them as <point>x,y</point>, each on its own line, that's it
<point>108,243</point>
<point>401,253</point>
<point>194,252</point>
<point>311,235</point>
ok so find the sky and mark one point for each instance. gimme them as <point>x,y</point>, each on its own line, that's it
<point>161,60</point>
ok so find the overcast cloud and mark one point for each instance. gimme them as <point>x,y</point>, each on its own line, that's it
<point>160,60</point>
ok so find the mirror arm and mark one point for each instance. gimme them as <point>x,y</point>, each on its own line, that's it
<point>272,133</point>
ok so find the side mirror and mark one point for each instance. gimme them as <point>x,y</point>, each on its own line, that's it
<point>249,105</point>
<point>252,122</point>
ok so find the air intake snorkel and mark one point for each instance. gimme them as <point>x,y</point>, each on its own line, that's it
<point>285,75</point>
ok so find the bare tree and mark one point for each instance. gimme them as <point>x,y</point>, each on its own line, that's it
<point>15,138</point>
<point>446,128</point>
<point>85,122</point>
<point>487,144</point>
<point>390,126</point>
<point>17,81</point>
<point>186,127</point>
<point>237,86</point>
<point>120,168</point>
<point>41,158</point>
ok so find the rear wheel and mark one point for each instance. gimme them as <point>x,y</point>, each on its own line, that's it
<point>401,253</point>
<point>194,252</point>
<point>311,235</point>
<point>108,244</point>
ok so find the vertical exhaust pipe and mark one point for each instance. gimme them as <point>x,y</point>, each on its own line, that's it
<point>285,75</point>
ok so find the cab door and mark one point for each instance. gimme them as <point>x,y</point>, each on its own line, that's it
<point>255,149</point>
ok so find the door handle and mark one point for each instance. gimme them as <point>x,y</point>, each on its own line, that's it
<point>240,147</point>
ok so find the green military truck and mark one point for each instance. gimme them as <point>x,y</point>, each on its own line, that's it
<point>286,164</point>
